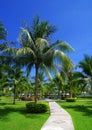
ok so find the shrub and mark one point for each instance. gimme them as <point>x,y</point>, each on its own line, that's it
<point>70,99</point>
<point>40,107</point>
<point>85,96</point>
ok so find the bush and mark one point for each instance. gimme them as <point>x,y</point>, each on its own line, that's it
<point>70,99</point>
<point>40,107</point>
<point>85,96</point>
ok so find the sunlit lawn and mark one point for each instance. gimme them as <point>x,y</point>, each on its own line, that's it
<point>15,117</point>
<point>81,112</point>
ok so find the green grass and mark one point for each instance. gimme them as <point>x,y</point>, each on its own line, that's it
<point>81,113</point>
<point>15,117</point>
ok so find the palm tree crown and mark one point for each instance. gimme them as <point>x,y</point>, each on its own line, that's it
<point>86,65</point>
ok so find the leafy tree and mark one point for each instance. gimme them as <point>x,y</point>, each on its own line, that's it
<point>3,36</point>
<point>3,45</point>
<point>38,51</point>
<point>3,32</point>
<point>14,78</point>
<point>66,69</point>
<point>58,81</point>
<point>86,66</point>
<point>24,86</point>
<point>78,82</point>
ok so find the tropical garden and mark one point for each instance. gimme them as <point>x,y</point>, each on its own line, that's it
<point>36,68</point>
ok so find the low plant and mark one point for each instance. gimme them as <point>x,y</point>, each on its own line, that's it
<point>70,99</point>
<point>40,107</point>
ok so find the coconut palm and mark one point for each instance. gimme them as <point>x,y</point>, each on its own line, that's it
<point>3,35</point>
<point>14,77</point>
<point>3,44</point>
<point>38,51</point>
<point>78,82</point>
<point>3,32</point>
<point>58,82</point>
<point>66,69</point>
<point>86,66</point>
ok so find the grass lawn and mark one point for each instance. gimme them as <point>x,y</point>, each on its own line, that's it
<point>81,113</point>
<point>14,117</point>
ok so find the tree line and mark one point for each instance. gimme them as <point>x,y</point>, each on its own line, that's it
<point>36,50</point>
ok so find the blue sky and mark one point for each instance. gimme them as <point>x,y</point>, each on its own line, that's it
<point>73,19</point>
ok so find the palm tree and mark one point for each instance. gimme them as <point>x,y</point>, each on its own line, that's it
<point>78,82</point>
<point>3,44</point>
<point>3,32</point>
<point>3,78</point>
<point>86,66</point>
<point>14,79</point>
<point>38,51</point>
<point>58,82</point>
<point>3,35</point>
<point>66,73</point>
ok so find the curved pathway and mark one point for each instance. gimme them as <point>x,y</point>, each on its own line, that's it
<point>59,119</point>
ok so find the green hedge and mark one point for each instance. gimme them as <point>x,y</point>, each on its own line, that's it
<point>85,97</point>
<point>40,107</point>
<point>70,99</point>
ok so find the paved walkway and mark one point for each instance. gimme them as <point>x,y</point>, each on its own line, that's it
<point>59,119</point>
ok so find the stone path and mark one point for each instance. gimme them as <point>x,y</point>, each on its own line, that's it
<point>59,119</point>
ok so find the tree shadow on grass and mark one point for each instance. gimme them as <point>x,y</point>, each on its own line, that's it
<point>3,103</point>
<point>9,108</point>
<point>86,110</point>
<point>6,110</point>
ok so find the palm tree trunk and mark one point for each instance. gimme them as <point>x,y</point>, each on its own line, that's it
<point>71,95</point>
<point>91,83</point>
<point>36,84</point>
<point>14,94</point>
<point>59,93</point>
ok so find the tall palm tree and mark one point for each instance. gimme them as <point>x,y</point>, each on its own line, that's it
<point>15,76</point>
<point>78,82</point>
<point>3,44</point>
<point>38,51</point>
<point>66,73</point>
<point>3,32</point>
<point>58,81</point>
<point>86,66</point>
<point>3,35</point>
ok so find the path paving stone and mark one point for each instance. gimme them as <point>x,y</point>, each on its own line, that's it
<point>59,119</point>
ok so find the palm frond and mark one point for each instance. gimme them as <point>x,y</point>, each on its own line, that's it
<point>25,51</point>
<point>63,46</point>
<point>29,67</point>
<point>41,43</point>
<point>59,45</point>
<point>3,46</point>
<point>10,51</point>
<point>3,32</point>
<point>86,65</point>
<point>42,29</point>
<point>59,54</point>
<point>29,41</point>
<point>47,72</point>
